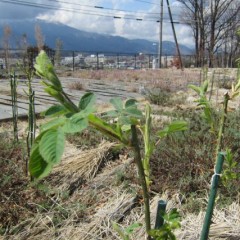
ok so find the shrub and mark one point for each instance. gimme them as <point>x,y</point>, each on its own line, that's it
<point>158,96</point>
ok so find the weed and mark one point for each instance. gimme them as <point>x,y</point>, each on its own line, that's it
<point>158,96</point>
<point>225,82</point>
<point>76,86</point>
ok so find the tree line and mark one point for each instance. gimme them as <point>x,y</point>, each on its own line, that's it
<point>215,25</point>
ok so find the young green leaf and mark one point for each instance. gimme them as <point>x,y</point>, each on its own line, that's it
<point>112,113</point>
<point>54,93</point>
<point>87,101</point>
<point>125,120</point>
<point>195,88</point>
<point>204,87</point>
<point>120,231</point>
<point>75,125</point>
<point>38,168</point>
<point>117,103</point>
<point>51,145</point>
<point>54,111</point>
<point>130,229</point>
<point>44,68</point>
<point>130,103</point>
<point>173,127</point>
<point>56,122</point>
<point>134,112</point>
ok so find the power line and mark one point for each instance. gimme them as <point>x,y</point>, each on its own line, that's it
<point>82,11</point>
<point>106,8</point>
<point>143,1</point>
<point>79,11</point>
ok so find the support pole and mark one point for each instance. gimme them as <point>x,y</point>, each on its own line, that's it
<point>97,61</point>
<point>73,60</point>
<point>160,37</point>
<point>135,61</point>
<point>174,34</point>
<point>212,197</point>
<point>161,209</point>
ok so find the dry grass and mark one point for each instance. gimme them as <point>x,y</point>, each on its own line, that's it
<point>78,166</point>
<point>76,86</point>
<point>226,224</point>
<point>142,76</point>
<point>110,202</point>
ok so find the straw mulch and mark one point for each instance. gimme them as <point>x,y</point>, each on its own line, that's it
<point>226,224</point>
<point>78,166</point>
<point>111,202</point>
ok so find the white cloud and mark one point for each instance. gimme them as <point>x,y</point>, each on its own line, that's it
<point>13,11</point>
<point>91,22</point>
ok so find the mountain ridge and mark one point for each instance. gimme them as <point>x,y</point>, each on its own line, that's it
<point>78,40</point>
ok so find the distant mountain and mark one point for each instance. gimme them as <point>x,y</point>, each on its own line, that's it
<point>74,39</point>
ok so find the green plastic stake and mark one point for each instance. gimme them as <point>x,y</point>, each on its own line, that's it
<point>212,196</point>
<point>160,212</point>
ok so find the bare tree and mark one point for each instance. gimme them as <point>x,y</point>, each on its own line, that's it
<point>210,22</point>
<point>194,17</point>
<point>39,37</point>
<point>222,16</point>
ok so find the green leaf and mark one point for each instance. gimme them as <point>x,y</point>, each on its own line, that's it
<point>132,227</point>
<point>75,125</point>
<point>117,103</point>
<point>53,123</point>
<point>112,113</point>
<point>119,230</point>
<point>54,93</point>
<point>126,128</point>
<point>123,120</point>
<point>130,103</point>
<point>54,111</point>
<point>44,68</point>
<point>204,87</point>
<point>38,168</point>
<point>83,114</point>
<point>134,112</point>
<point>51,145</point>
<point>87,101</point>
<point>195,88</point>
<point>173,127</point>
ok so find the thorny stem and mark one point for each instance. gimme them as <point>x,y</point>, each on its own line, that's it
<point>138,161</point>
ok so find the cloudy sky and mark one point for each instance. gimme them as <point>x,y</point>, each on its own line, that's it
<point>114,17</point>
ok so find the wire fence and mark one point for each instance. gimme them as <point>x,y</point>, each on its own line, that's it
<point>76,60</point>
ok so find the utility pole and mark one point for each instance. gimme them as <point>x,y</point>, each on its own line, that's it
<point>174,34</point>
<point>160,36</point>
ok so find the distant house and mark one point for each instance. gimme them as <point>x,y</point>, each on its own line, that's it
<point>166,61</point>
<point>95,60</point>
<point>78,61</point>
<point>2,63</point>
